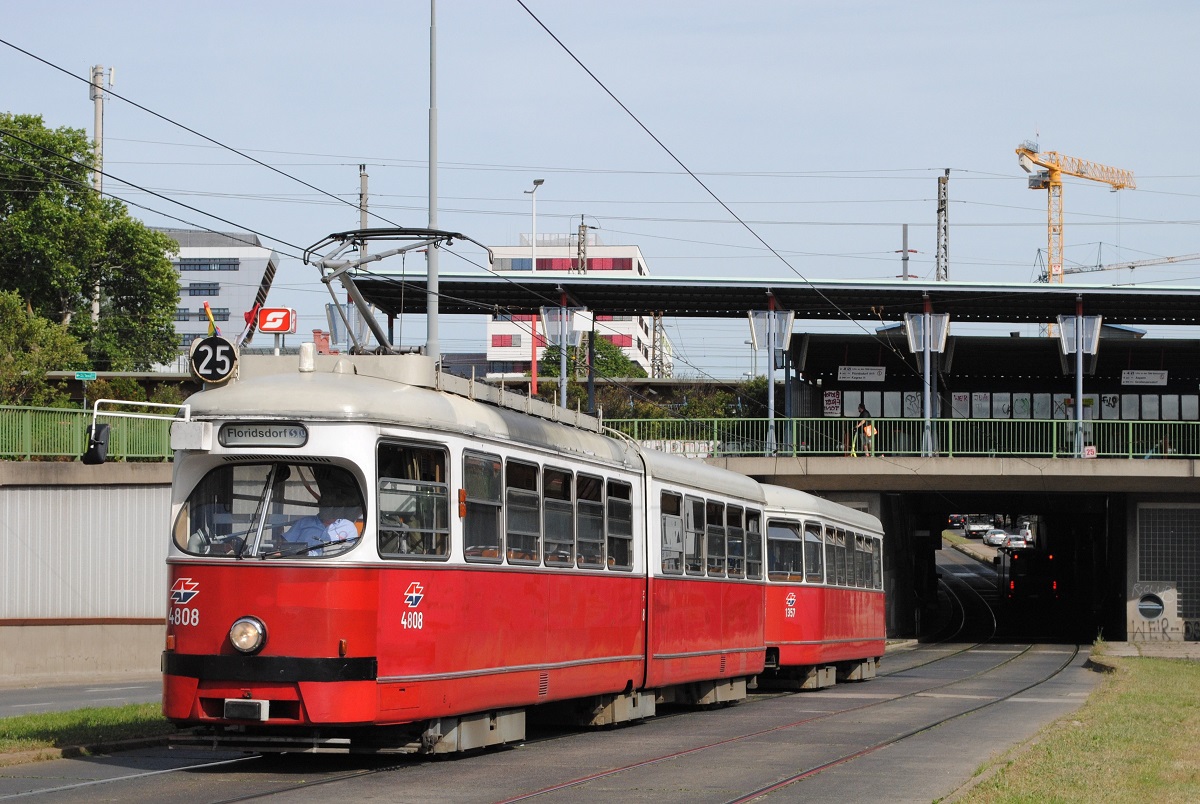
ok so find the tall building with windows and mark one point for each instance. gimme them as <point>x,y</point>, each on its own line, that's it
<point>510,346</point>
<point>232,271</point>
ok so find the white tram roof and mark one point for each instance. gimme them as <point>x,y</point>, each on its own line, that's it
<point>347,397</point>
<point>697,474</point>
<point>781,499</point>
<point>337,392</point>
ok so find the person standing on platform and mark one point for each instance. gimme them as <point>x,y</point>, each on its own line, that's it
<point>864,432</point>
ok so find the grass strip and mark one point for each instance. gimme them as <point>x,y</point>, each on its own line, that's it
<point>1137,739</point>
<point>82,727</point>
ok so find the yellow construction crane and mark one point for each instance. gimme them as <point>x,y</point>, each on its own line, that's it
<point>1056,166</point>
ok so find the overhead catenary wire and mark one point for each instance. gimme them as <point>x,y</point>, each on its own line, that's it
<point>171,121</point>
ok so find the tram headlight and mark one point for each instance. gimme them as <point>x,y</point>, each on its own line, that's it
<point>248,635</point>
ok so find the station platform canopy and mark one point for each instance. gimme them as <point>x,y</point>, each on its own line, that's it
<point>817,300</point>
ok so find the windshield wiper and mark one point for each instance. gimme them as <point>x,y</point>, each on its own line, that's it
<point>297,549</point>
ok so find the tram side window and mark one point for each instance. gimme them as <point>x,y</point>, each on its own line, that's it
<point>414,501</point>
<point>590,518</point>
<point>560,529</point>
<point>715,515</point>
<point>844,567</point>
<point>693,546</point>
<point>814,565</point>
<point>524,512</point>
<point>736,541</point>
<point>754,545</point>
<point>620,526</point>
<point>672,532</point>
<point>877,562</point>
<point>482,486</point>
<point>861,561</point>
<point>831,556</point>
<point>784,550</point>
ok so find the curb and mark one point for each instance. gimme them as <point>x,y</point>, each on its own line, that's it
<point>73,751</point>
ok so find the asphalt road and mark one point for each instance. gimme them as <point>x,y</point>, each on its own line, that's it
<point>27,700</point>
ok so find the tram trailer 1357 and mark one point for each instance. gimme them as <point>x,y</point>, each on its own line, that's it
<point>364,560</point>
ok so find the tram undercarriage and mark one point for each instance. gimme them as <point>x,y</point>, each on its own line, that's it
<point>450,735</point>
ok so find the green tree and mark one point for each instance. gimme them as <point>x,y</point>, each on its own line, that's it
<point>59,239</point>
<point>610,361</point>
<point>30,346</point>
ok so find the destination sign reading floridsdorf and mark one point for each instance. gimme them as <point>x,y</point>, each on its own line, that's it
<point>262,434</point>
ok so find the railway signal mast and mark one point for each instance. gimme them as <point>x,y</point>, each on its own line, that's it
<point>1055,166</point>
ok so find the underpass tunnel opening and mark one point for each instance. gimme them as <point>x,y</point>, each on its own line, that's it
<point>1064,582</point>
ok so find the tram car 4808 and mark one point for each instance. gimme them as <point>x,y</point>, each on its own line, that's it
<point>369,555</point>
<point>363,562</point>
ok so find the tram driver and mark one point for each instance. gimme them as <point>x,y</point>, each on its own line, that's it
<point>331,524</point>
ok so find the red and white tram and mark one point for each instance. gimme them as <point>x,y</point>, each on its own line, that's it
<point>369,555</point>
<point>825,616</point>
<point>498,561</point>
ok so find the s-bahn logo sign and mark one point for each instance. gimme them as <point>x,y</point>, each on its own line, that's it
<point>278,320</point>
<point>183,590</point>
<point>414,594</point>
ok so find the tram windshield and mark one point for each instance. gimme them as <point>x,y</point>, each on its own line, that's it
<point>272,510</point>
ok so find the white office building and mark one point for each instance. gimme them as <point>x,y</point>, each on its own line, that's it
<point>511,338</point>
<point>232,271</point>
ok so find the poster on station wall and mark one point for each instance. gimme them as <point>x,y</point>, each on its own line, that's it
<point>1130,409</point>
<point>1041,406</point>
<point>914,404</point>
<point>1150,407</point>
<point>981,405</point>
<point>1002,407</point>
<point>833,403</point>
<point>960,405</point>
<point>1169,407</point>
<point>1022,406</point>
<point>1110,406</point>
<point>891,405</point>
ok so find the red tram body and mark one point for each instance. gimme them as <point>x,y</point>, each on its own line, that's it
<point>368,555</point>
<point>825,616</point>
<point>496,561</point>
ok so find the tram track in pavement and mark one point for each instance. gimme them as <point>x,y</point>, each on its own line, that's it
<point>256,771</point>
<point>957,620</point>
<point>315,777</point>
<point>814,769</point>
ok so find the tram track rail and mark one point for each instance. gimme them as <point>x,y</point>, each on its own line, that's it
<point>813,770</point>
<point>954,591</point>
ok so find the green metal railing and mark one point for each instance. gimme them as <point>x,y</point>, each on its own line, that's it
<point>58,433</point>
<point>1048,438</point>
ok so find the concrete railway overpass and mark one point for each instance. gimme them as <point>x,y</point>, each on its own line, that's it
<point>1125,531</point>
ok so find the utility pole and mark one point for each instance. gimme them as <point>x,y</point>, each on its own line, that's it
<point>97,95</point>
<point>362,203</point>
<point>905,251</point>
<point>658,360</point>
<point>581,248</point>
<point>362,224</point>
<point>432,345</point>
<point>943,228</point>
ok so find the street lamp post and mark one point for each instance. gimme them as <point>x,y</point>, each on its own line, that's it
<point>533,238</point>
<point>533,267</point>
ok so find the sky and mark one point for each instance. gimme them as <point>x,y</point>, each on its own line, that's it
<point>822,126</point>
